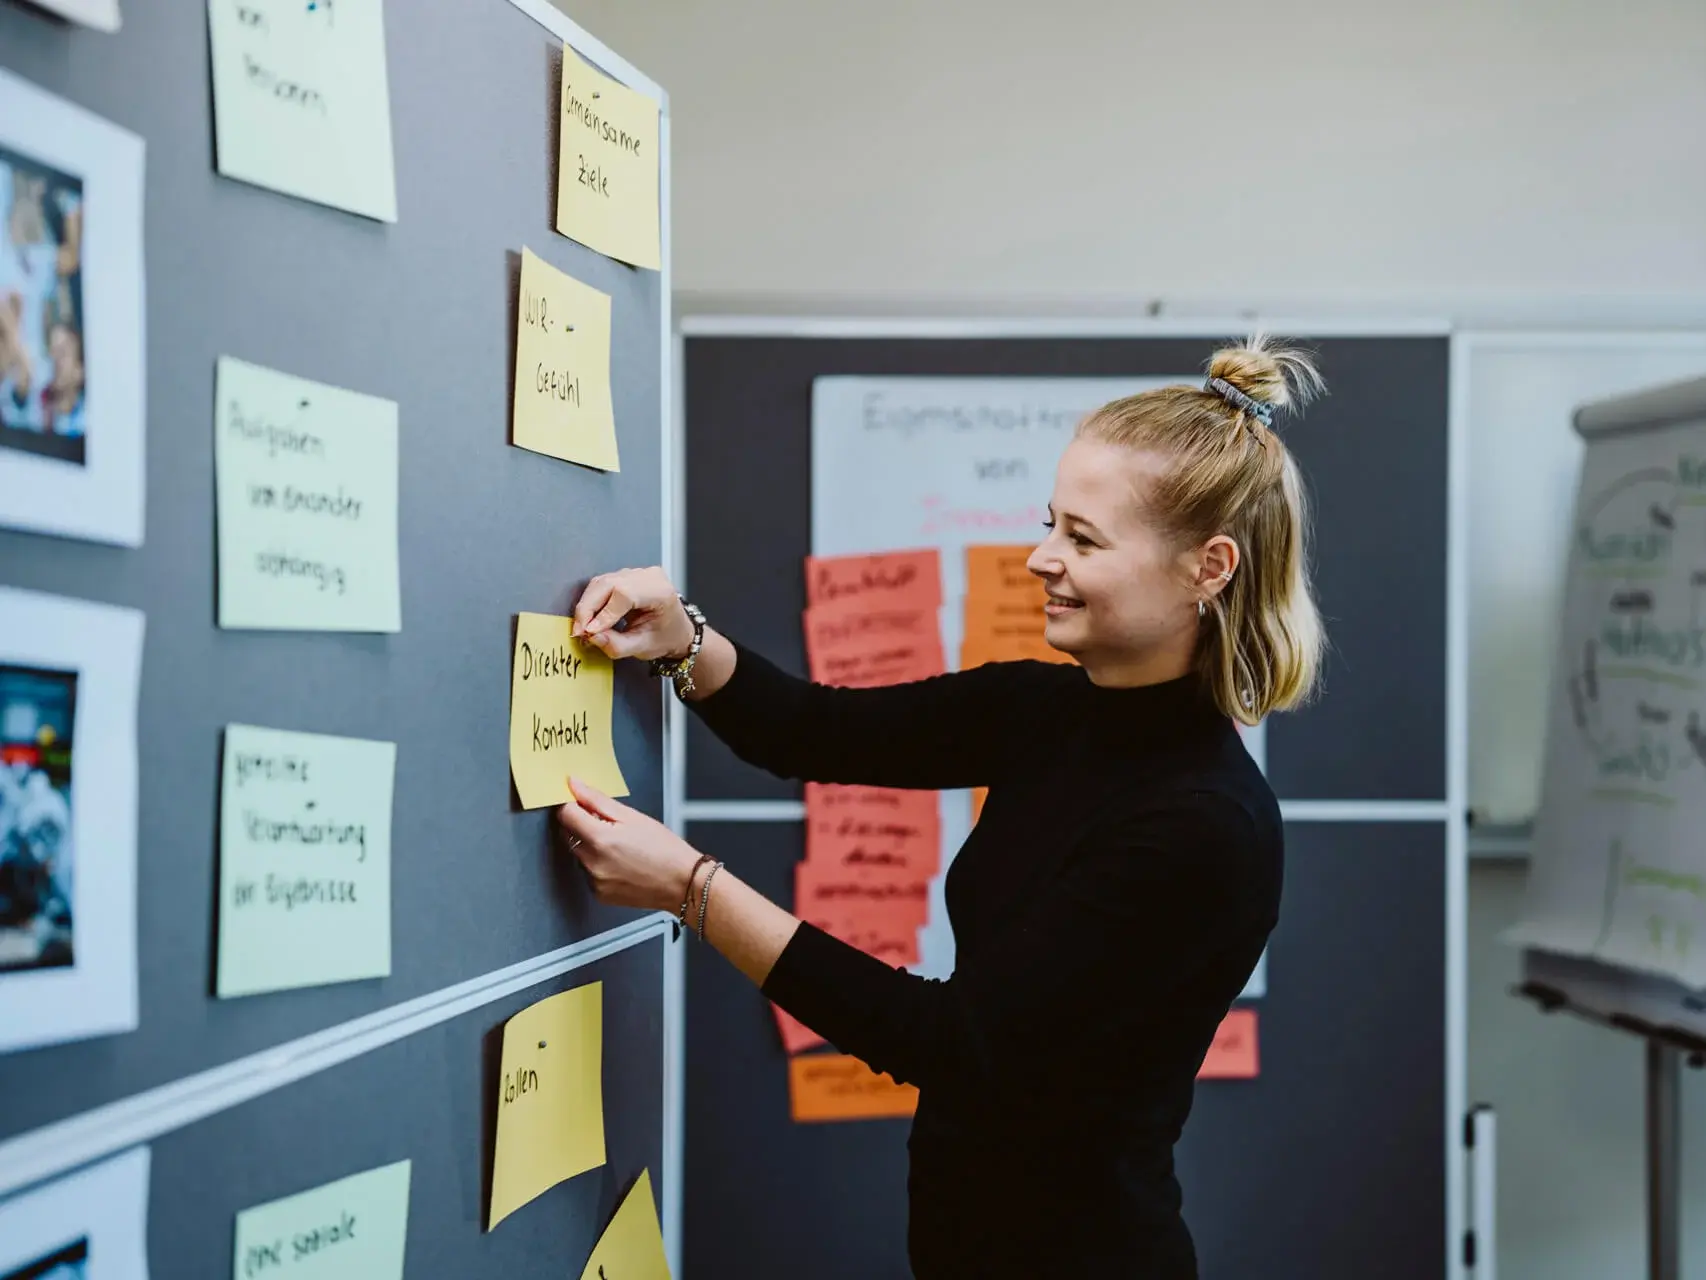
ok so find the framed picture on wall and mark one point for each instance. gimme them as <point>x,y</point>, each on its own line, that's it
<point>69,681</point>
<point>72,348</point>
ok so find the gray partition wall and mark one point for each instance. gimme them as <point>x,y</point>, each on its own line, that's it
<point>1335,1162</point>
<point>422,312</point>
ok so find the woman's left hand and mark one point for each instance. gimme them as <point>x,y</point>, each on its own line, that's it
<point>632,860</point>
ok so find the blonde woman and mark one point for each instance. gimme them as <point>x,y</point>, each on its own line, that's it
<point>1125,874</point>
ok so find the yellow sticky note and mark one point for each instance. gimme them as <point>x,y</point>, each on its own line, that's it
<point>562,368</point>
<point>631,1247</point>
<point>551,1098</point>
<point>304,860</point>
<point>607,166</point>
<point>561,695</point>
<point>353,1229</point>
<point>301,103</point>
<point>307,481</point>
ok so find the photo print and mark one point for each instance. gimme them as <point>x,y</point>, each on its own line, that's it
<point>43,377</point>
<point>70,676</point>
<point>37,714</point>
<point>72,320</point>
<point>90,1224</point>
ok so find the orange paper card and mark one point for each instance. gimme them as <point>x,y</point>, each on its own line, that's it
<point>978,796</point>
<point>1232,1056</point>
<point>999,573</point>
<point>979,649</point>
<point>826,1086</point>
<point>898,579</point>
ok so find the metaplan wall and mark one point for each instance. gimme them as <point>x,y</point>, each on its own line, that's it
<point>1485,161</point>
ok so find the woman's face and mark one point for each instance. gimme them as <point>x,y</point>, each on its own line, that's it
<point>1121,596</point>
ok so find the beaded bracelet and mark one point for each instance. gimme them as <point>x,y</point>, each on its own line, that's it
<point>687,897</point>
<point>705,896</point>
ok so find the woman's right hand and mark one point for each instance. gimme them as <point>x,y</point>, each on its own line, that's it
<point>658,627</point>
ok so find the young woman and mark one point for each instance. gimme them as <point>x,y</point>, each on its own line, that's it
<point>1125,874</point>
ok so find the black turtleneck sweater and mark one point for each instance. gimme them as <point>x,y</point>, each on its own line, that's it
<point>1107,909</point>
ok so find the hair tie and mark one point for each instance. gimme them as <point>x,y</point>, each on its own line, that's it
<point>1261,410</point>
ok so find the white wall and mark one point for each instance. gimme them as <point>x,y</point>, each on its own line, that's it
<point>1533,162</point>
<point>1486,158</point>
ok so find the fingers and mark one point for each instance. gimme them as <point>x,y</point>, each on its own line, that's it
<point>595,802</point>
<point>593,599</point>
<point>580,824</point>
<point>617,645</point>
<point>616,607</point>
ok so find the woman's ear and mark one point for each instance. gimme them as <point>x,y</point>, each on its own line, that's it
<point>1217,561</point>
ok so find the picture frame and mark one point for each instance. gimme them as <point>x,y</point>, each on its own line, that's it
<point>72,320</point>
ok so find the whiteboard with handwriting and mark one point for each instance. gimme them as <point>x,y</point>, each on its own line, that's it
<point>1618,871</point>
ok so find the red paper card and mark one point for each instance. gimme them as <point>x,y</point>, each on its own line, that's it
<point>908,579</point>
<point>1233,1055</point>
<point>857,645</point>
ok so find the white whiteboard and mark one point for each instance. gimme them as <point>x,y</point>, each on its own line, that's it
<point>1518,392</point>
<point>1617,868</point>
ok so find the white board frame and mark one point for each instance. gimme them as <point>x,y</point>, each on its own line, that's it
<point>1452,815</point>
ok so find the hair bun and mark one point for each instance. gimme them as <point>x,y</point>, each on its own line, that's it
<point>1264,370</point>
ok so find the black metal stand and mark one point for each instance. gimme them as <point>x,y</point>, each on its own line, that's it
<point>1664,1161</point>
<point>1667,1049</point>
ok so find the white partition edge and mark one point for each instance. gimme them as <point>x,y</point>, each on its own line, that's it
<point>68,1144</point>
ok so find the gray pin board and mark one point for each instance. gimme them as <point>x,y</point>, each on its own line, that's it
<point>1363,936</point>
<point>1330,1164</point>
<point>428,1098</point>
<point>422,312</point>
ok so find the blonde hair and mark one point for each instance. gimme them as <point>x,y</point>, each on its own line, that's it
<point>1260,646</point>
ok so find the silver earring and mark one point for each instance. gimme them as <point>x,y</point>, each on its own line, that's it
<point>1202,609</point>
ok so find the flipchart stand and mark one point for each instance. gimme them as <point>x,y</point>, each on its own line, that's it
<point>1671,1019</point>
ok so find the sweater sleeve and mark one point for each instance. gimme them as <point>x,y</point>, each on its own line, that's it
<point>949,731</point>
<point>1119,934</point>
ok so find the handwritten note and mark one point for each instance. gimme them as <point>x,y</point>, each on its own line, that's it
<point>877,835</point>
<point>896,579</point>
<point>562,405</point>
<point>561,696</point>
<point>550,1098</point>
<point>353,1229</point>
<point>301,102</point>
<point>1233,1055</point>
<point>304,860</point>
<point>858,645</point>
<point>607,166</point>
<point>631,1247</point>
<point>840,1087</point>
<point>307,478</point>
<point>1003,613</point>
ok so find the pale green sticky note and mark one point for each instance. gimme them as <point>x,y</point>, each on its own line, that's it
<point>304,860</point>
<point>300,100</point>
<point>351,1229</point>
<point>307,477</point>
